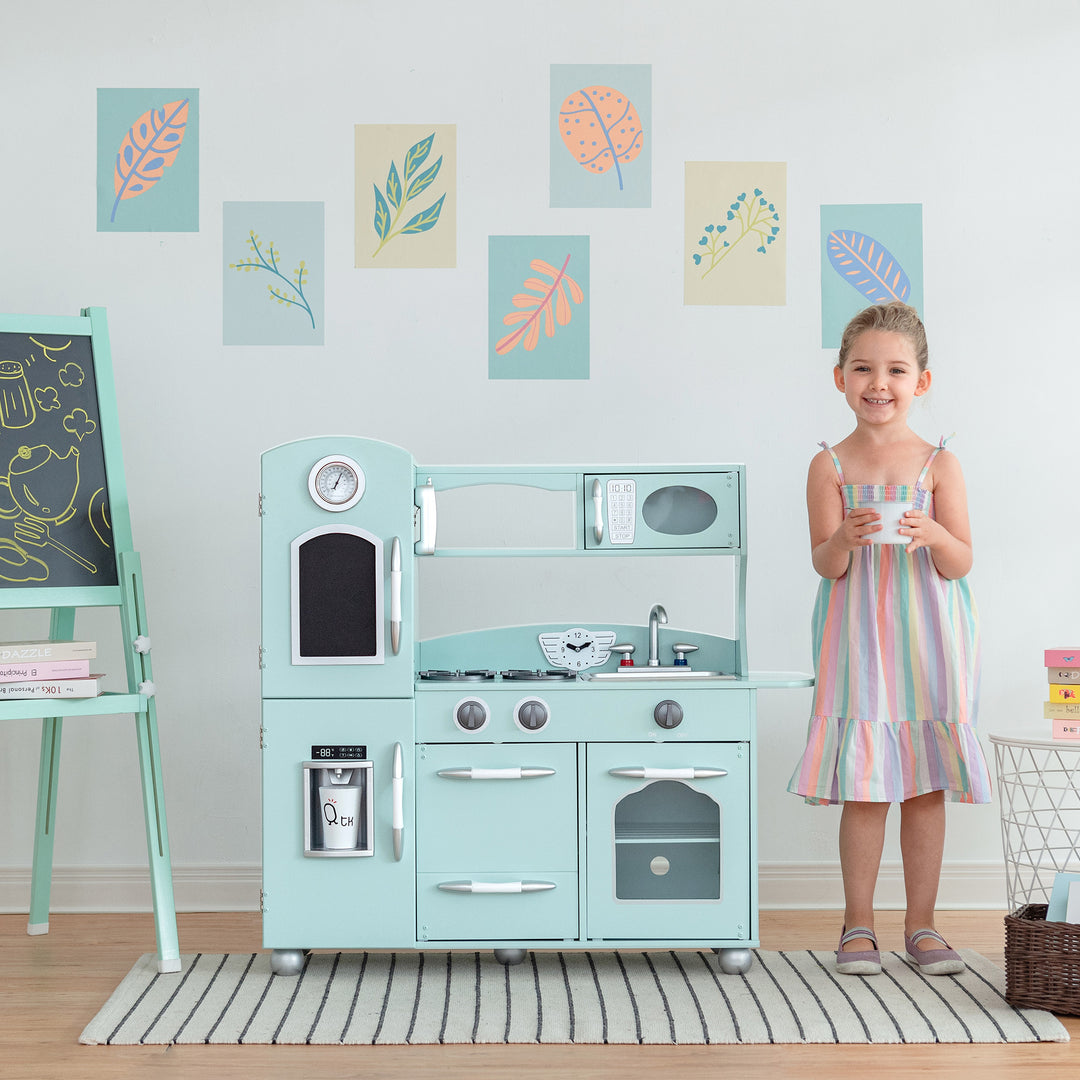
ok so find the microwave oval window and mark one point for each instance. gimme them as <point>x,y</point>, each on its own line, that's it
<point>679,510</point>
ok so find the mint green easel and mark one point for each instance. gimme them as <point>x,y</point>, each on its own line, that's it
<point>38,391</point>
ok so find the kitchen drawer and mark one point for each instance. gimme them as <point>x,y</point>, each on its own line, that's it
<point>498,820</point>
<point>535,906</point>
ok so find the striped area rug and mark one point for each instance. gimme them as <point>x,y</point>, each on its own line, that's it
<point>560,997</point>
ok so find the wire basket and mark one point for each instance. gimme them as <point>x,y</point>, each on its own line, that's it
<point>1042,962</point>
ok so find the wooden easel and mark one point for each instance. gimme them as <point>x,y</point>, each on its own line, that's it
<point>65,543</point>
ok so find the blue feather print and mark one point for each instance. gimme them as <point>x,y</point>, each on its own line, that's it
<point>867,265</point>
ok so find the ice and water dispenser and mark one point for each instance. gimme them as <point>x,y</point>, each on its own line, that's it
<point>338,802</point>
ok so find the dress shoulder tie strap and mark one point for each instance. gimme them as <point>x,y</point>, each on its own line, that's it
<point>835,459</point>
<point>930,460</point>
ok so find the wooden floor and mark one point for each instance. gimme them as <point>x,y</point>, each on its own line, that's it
<point>51,986</point>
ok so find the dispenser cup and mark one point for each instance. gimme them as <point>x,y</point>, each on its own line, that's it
<point>339,810</point>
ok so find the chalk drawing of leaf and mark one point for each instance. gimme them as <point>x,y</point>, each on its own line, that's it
<point>147,150</point>
<point>601,128</point>
<point>551,293</point>
<point>866,265</point>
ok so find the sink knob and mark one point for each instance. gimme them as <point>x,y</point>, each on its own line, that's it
<point>627,654</point>
<point>680,650</point>
<point>668,714</point>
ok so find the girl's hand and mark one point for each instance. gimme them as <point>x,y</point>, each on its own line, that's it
<point>857,529</point>
<point>923,530</point>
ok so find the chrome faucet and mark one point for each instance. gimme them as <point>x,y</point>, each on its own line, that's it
<point>656,616</point>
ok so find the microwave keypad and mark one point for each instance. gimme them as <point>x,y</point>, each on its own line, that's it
<point>622,510</point>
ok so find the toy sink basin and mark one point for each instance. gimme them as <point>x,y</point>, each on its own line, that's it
<point>660,674</point>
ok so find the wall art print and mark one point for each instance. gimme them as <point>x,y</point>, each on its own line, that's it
<point>601,137</point>
<point>148,160</point>
<point>406,195</point>
<point>735,240</point>
<point>870,254</point>
<point>274,283</point>
<point>538,307</point>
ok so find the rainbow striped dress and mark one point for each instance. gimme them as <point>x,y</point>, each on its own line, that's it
<point>896,650</point>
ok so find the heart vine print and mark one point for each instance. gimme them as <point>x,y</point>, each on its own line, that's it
<point>754,218</point>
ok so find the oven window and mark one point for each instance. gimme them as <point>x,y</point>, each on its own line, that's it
<point>679,510</point>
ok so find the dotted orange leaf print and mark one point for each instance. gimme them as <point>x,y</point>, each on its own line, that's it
<point>601,128</point>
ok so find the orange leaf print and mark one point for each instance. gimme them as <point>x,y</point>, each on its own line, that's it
<point>147,150</point>
<point>601,128</point>
<point>528,331</point>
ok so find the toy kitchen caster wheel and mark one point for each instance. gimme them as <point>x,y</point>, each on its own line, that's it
<point>509,957</point>
<point>735,961</point>
<point>288,961</point>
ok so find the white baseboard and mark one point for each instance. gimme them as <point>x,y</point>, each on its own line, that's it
<point>964,886</point>
<point>127,888</point>
<point>236,888</point>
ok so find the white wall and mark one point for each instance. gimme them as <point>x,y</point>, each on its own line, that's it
<point>965,106</point>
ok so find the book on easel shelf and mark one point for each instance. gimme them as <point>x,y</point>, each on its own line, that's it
<point>1062,707</point>
<point>61,689</point>
<point>38,652</point>
<point>47,669</point>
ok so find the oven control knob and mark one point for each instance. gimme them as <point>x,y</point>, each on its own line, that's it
<point>531,714</point>
<point>668,713</point>
<point>471,714</point>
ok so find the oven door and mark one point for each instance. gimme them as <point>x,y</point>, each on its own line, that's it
<point>668,841</point>
<point>663,511</point>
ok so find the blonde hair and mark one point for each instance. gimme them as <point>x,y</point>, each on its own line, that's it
<point>894,318</point>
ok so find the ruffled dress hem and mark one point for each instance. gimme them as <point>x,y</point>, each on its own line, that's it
<point>849,760</point>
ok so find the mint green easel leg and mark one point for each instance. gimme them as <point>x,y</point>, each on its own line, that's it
<point>140,677</point>
<point>61,625</point>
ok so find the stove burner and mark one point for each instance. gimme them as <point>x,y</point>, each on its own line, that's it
<point>457,676</point>
<point>525,675</point>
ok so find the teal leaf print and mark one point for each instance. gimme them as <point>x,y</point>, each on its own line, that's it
<point>426,219</point>
<point>401,189</point>
<point>393,187</point>
<point>417,155</point>
<point>382,215</point>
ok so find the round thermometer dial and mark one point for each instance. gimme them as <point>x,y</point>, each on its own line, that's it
<point>336,483</point>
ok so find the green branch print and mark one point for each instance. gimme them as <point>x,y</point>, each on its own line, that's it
<point>292,291</point>
<point>401,189</point>
<point>756,218</point>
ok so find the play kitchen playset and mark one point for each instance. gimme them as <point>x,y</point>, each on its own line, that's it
<point>554,786</point>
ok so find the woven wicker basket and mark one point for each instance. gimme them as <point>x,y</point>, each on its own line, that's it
<point>1042,962</point>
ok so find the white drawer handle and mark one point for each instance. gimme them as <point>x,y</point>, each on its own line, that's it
<point>518,773</point>
<point>689,773</point>
<point>496,886</point>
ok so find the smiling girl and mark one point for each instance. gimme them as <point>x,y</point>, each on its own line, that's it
<point>896,639</point>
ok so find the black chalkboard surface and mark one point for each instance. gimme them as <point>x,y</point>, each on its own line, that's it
<point>55,521</point>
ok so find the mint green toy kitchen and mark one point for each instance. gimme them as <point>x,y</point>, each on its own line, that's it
<point>553,786</point>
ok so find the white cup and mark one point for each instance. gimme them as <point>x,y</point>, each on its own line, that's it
<point>892,517</point>
<point>339,813</point>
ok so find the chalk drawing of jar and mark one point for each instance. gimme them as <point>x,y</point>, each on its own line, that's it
<point>16,402</point>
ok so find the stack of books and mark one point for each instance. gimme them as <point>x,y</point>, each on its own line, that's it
<point>1063,708</point>
<point>47,669</point>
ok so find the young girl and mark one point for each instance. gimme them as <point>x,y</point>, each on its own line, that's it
<point>896,640</point>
